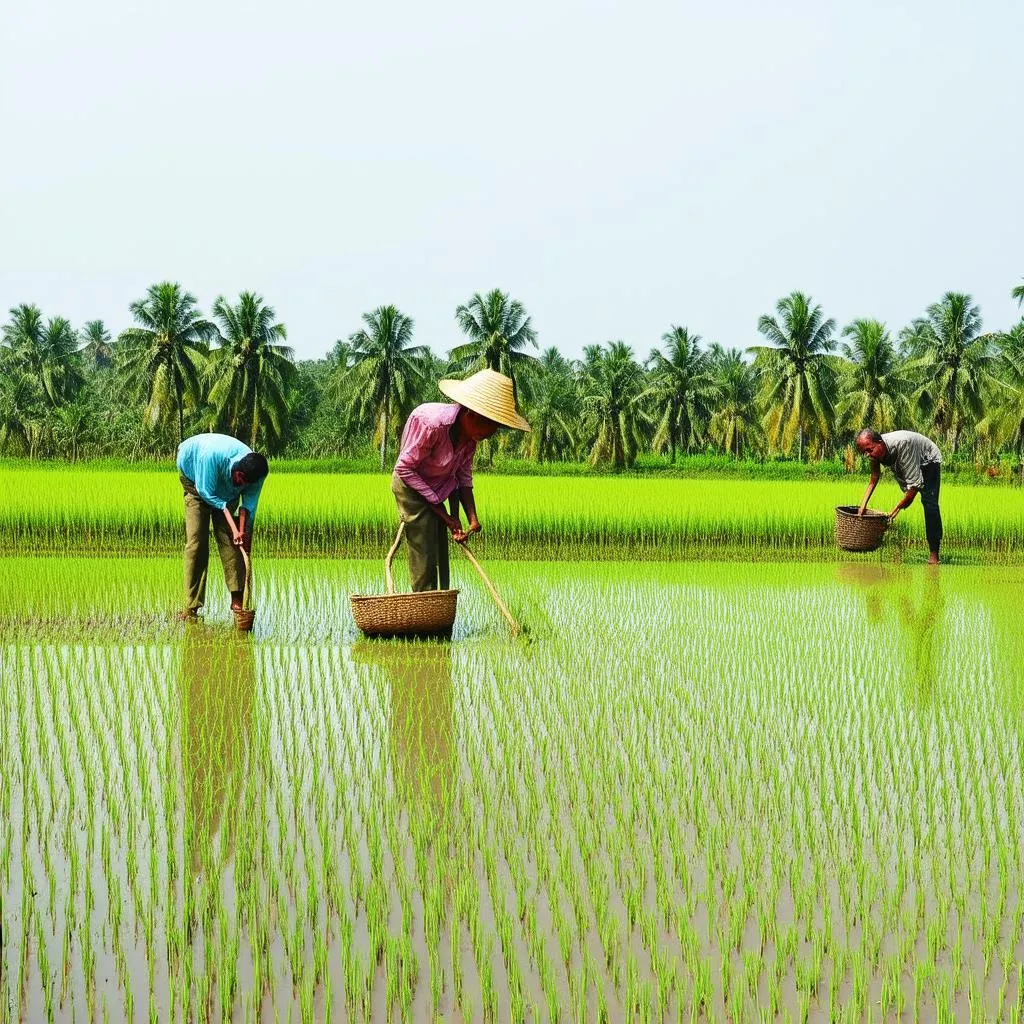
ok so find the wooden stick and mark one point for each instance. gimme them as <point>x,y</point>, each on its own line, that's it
<point>490,586</point>
<point>391,554</point>
<point>248,578</point>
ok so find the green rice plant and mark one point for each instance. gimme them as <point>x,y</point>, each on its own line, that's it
<point>114,512</point>
<point>671,755</point>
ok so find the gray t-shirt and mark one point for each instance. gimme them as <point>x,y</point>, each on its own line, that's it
<point>908,452</point>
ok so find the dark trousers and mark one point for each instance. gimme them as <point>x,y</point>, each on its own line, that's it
<point>426,536</point>
<point>930,502</point>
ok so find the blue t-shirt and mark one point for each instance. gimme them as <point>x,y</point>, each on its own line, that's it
<point>207,460</point>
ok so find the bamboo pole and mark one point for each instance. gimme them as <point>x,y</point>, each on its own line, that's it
<point>513,625</point>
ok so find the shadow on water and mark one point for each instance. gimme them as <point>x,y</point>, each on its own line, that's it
<point>914,603</point>
<point>217,688</point>
<point>419,676</point>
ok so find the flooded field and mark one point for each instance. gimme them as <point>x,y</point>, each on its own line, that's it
<point>700,791</point>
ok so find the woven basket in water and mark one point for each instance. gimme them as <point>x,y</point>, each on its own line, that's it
<point>244,619</point>
<point>859,533</point>
<point>245,616</point>
<point>425,613</point>
<point>428,612</point>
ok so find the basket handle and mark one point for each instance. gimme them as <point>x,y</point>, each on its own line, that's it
<point>391,555</point>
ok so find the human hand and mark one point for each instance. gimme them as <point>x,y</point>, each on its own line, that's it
<point>454,525</point>
<point>474,525</point>
<point>894,513</point>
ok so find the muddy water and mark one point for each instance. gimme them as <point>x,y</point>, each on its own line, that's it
<point>707,790</point>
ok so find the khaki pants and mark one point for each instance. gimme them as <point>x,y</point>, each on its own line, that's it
<point>426,536</point>
<point>197,547</point>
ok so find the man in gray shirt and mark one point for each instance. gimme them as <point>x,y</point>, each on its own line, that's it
<point>916,462</point>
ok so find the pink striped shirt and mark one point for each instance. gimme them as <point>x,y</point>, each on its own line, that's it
<point>428,461</point>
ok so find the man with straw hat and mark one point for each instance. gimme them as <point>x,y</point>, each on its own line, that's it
<point>435,465</point>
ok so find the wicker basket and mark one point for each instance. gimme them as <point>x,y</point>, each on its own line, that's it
<point>245,616</point>
<point>244,619</point>
<point>859,532</point>
<point>426,613</point>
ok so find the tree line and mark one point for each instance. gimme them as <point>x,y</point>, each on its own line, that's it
<point>802,392</point>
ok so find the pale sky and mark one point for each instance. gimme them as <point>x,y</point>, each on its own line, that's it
<point>618,167</point>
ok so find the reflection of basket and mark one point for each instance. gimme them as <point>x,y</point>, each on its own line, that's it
<point>859,533</point>
<point>426,613</point>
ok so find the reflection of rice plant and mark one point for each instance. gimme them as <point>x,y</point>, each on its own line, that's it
<point>681,801</point>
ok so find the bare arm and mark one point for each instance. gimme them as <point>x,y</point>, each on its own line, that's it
<point>237,537</point>
<point>905,502</point>
<point>470,505</point>
<point>876,472</point>
<point>450,519</point>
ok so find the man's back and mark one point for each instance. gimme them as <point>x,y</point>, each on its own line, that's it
<point>908,452</point>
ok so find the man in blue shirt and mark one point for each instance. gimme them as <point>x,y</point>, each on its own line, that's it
<point>217,472</point>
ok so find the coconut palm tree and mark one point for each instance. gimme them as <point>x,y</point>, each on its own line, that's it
<point>163,358</point>
<point>74,427</point>
<point>553,407</point>
<point>96,348</point>
<point>954,363</point>
<point>252,371</point>
<point>613,388</point>
<point>1018,294</point>
<point>877,390</point>
<point>47,350</point>
<point>499,329</point>
<point>387,375</point>
<point>734,387</point>
<point>1006,418</point>
<point>681,387</point>
<point>797,378</point>
<point>22,410</point>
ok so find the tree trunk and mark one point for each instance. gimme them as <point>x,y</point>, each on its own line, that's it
<point>800,443</point>
<point>384,439</point>
<point>254,419</point>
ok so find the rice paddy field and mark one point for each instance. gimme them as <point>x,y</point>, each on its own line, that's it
<point>701,791</point>
<point>93,511</point>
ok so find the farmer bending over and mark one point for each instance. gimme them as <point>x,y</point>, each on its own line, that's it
<point>435,464</point>
<point>916,462</point>
<point>217,470</point>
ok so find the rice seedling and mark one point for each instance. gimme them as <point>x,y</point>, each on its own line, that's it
<point>705,791</point>
<point>123,511</point>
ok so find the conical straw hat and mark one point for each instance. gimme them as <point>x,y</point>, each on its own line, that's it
<point>488,393</point>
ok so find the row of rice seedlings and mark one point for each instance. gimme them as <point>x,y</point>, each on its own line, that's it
<point>354,516</point>
<point>738,811</point>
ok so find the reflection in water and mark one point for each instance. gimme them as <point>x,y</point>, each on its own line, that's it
<point>217,682</point>
<point>915,602</point>
<point>420,677</point>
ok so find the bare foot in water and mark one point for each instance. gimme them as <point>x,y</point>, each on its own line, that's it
<point>188,615</point>
<point>933,559</point>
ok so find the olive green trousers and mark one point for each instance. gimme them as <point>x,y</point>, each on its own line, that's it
<point>198,516</point>
<point>426,536</point>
